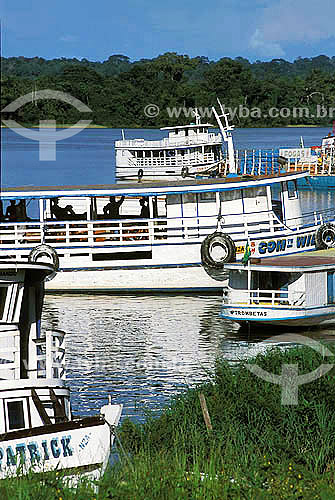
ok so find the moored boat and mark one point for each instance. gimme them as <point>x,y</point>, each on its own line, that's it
<point>297,290</point>
<point>37,429</point>
<point>158,237</point>
<point>188,149</point>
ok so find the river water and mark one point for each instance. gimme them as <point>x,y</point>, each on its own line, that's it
<point>140,350</point>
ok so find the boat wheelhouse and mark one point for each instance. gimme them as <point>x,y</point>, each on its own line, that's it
<point>155,237</point>
<point>37,430</point>
<point>188,149</point>
<point>297,290</point>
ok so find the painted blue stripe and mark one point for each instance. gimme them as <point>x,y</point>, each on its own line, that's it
<point>278,308</point>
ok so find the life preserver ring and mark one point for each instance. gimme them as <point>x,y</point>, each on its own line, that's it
<point>47,251</point>
<point>217,249</point>
<point>325,236</point>
<point>184,172</point>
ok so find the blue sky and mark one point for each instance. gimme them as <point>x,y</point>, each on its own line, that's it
<point>255,29</point>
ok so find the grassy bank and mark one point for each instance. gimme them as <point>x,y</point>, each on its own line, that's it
<point>258,449</point>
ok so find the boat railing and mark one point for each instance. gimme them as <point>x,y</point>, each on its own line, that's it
<point>203,138</point>
<point>278,298</point>
<point>132,231</point>
<point>178,160</point>
<point>321,164</point>
<point>50,355</point>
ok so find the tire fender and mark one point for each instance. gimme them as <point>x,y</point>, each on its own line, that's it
<point>226,250</point>
<point>47,251</point>
<point>325,236</point>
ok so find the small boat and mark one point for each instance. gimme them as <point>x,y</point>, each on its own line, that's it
<point>37,429</point>
<point>187,150</point>
<point>296,290</point>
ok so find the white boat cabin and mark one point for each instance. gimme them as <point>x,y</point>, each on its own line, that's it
<point>284,291</point>
<point>32,373</point>
<point>37,431</point>
<point>147,233</point>
<point>187,149</point>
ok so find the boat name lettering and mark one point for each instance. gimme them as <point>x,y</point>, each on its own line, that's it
<point>240,249</point>
<point>53,448</point>
<point>255,314</point>
<point>277,246</point>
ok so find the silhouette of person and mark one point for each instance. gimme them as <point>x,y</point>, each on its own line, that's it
<point>111,210</point>
<point>145,214</point>
<point>11,211</point>
<point>61,213</point>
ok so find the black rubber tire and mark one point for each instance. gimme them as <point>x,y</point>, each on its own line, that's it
<point>325,236</point>
<point>228,249</point>
<point>48,251</point>
<point>140,174</point>
<point>184,172</point>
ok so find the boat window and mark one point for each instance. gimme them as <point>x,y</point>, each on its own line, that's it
<point>211,196</point>
<point>21,210</point>
<point>147,154</point>
<point>230,195</point>
<point>292,189</point>
<point>3,294</point>
<point>15,415</point>
<point>238,279</point>
<point>254,192</point>
<point>173,199</point>
<point>189,198</point>
<point>159,206</point>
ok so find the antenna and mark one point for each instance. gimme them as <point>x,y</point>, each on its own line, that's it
<point>197,116</point>
<point>227,136</point>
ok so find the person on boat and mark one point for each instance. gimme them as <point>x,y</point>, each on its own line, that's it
<point>11,211</point>
<point>145,214</point>
<point>62,213</point>
<point>111,210</point>
<point>21,211</point>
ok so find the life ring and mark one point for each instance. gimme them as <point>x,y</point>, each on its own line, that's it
<point>140,174</point>
<point>48,251</point>
<point>217,249</point>
<point>325,236</point>
<point>184,172</point>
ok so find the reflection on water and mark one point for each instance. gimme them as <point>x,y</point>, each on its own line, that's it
<point>142,350</point>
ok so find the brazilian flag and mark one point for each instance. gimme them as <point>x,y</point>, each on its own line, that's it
<point>246,255</point>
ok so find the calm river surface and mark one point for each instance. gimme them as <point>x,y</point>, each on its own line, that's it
<point>140,350</point>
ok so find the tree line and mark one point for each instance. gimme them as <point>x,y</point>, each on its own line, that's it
<point>118,90</point>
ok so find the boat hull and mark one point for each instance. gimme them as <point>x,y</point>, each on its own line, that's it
<point>277,316</point>
<point>78,447</point>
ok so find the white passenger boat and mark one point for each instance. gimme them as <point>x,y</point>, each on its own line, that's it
<point>187,149</point>
<point>297,290</point>
<point>156,237</point>
<point>37,430</point>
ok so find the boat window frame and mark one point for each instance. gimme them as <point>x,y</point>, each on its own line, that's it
<point>25,412</point>
<point>292,194</point>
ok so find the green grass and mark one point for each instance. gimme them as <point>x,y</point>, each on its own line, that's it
<point>258,449</point>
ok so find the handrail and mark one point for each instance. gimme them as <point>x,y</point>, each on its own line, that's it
<point>264,297</point>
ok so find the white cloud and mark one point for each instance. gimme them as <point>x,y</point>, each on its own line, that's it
<point>265,48</point>
<point>298,21</point>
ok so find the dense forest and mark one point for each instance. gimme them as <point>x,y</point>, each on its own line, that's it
<point>118,90</point>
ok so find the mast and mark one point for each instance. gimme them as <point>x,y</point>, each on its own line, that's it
<point>227,136</point>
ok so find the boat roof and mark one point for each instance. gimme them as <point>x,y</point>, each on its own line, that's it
<point>10,266</point>
<point>190,125</point>
<point>302,262</point>
<point>150,188</point>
